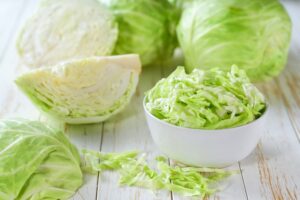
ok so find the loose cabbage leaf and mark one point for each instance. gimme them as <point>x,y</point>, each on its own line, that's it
<point>211,99</point>
<point>134,171</point>
<point>85,90</point>
<point>146,27</point>
<point>67,29</point>
<point>36,162</point>
<point>255,35</point>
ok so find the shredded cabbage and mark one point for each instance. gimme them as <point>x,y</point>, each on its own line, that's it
<point>134,171</point>
<point>211,99</point>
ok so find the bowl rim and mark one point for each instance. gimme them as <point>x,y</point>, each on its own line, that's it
<point>206,130</point>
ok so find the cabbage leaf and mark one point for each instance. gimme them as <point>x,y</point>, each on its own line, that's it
<point>36,162</point>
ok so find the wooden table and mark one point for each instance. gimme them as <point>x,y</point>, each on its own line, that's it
<point>272,171</point>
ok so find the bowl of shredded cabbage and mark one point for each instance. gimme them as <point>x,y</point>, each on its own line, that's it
<point>210,118</point>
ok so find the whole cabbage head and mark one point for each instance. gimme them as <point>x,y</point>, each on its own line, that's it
<point>67,29</point>
<point>254,35</point>
<point>36,162</point>
<point>146,27</point>
<point>85,90</point>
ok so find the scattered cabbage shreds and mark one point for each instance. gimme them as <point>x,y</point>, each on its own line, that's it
<point>211,99</point>
<point>134,171</point>
<point>97,161</point>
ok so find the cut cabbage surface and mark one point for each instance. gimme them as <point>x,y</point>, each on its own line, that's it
<point>67,29</point>
<point>85,90</point>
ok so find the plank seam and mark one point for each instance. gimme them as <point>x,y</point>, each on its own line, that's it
<point>245,189</point>
<point>98,174</point>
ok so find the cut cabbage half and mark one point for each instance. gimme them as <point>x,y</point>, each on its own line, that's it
<point>85,90</point>
<point>67,29</point>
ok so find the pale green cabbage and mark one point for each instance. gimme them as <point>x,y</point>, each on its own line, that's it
<point>36,162</point>
<point>134,171</point>
<point>254,35</point>
<point>85,90</point>
<point>146,27</point>
<point>211,99</point>
<point>67,29</point>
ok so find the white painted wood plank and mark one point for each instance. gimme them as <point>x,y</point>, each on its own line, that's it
<point>128,131</point>
<point>10,12</point>
<point>289,81</point>
<point>86,137</point>
<point>272,170</point>
<point>12,102</point>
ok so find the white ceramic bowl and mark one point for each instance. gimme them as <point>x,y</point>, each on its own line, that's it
<point>208,148</point>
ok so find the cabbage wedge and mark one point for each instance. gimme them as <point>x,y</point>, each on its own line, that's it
<point>67,29</point>
<point>82,91</point>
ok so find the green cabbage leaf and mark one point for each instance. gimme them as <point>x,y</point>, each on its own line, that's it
<point>212,99</point>
<point>36,162</point>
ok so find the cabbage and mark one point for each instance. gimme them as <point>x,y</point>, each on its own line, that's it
<point>135,171</point>
<point>67,29</point>
<point>85,90</point>
<point>211,99</point>
<point>146,27</point>
<point>36,162</point>
<point>254,35</point>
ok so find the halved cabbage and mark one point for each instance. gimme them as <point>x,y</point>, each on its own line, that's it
<point>66,29</point>
<point>85,90</point>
